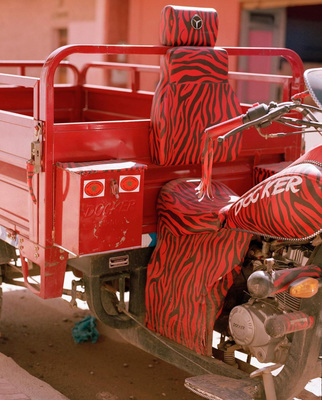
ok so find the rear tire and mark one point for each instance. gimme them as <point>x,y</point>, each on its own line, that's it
<point>302,362</point>
<point>300,366</point>
<point>0,299</point>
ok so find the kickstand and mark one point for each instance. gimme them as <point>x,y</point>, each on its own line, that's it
<point>266,374</point>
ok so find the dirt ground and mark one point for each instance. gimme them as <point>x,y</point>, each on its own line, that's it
<point>37,335</point>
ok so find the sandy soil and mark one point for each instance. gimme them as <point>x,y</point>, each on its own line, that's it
<point>37,335</point>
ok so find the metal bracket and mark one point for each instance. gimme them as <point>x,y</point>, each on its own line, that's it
<point>266,374</point>
<point>36,156</point>
<point>36,147</point>
<point>74,293</point>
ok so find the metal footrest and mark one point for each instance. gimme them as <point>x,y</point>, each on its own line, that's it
<point>217,387</point>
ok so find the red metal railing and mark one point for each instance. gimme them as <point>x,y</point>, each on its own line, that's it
<point>133,69</point>
<point>22,66</point>
<point>44,102</point>
<point>297,82</point>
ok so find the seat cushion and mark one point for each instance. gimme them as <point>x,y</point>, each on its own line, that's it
<point>182,213</point>
<point>188,26</point>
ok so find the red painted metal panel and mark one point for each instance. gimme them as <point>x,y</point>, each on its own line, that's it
<point>17,99</point>
<point>118,103</point>
<point>52,262</point>
<point>14,203</point>
<point>99,206</point>
<point>101,141</point>
<point>16,136</point>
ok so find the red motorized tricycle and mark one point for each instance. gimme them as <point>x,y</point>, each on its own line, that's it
<point>182,212</point>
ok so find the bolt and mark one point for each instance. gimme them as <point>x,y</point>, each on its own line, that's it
<point>61,257</point>
<point>36,255</point>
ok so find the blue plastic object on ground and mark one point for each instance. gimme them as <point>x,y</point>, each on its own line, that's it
<point>85,330</point>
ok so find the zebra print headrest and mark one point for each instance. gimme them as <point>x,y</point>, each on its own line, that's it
<point>188,26</point>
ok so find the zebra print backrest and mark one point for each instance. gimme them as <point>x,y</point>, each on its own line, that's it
<point>188,26</point>
<point>193,92</point>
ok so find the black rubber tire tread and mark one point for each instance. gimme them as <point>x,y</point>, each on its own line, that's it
<point>301,364</point>
<point>94,300</point>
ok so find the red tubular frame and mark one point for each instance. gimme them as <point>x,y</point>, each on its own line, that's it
<point>46,100</point>
<point>25,81</point>
<point>22,65</point>
<point>39,246</point>
<point>134,69</point>
<point>297,83</point>
<point>46,113</point>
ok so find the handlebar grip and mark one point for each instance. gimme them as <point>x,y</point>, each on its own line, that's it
<point>217,130</point>
<point>252,114</point>
<point>256,112</point>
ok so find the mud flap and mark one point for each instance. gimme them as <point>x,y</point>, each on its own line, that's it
<point>217,387</point>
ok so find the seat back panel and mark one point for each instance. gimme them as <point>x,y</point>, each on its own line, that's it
<point>193,92</point>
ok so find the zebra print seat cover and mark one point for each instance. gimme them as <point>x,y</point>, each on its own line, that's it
<point>193,92</point>
<point>181,212</point>
<point>195,261</point>
<point>188,26</point>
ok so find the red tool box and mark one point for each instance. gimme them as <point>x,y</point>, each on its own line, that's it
<point>99,206</point>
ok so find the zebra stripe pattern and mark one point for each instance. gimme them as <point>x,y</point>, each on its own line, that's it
<point>282,279</point>
<point>264,171</point>
<point>178,29</point>
<point>195,261</point>
<point>193,94</point>
<point>180,210</point>
<point>287,205</point>
<point>188,279</point>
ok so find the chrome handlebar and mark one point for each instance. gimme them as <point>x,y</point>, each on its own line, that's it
<point>262,115</point>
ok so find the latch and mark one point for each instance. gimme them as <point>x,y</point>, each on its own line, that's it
<point>36,156</point>
<point>34,164</point>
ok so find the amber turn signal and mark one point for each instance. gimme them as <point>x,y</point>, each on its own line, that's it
<point>304,288</point>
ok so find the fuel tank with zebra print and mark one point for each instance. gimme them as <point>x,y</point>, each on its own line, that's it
<point>287,205</point>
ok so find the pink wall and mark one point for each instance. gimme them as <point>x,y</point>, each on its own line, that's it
<point>29,29</point>
<point>145,17</point>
